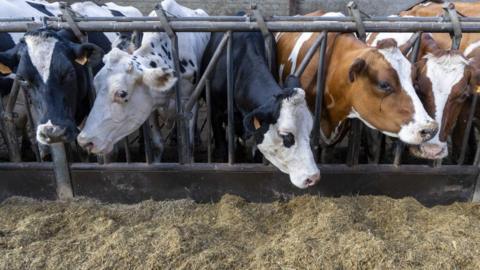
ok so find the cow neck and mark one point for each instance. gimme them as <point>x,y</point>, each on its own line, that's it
<point>254,79</point>
<point>337,98</point>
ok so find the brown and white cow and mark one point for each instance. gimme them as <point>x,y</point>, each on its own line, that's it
<point>445,79</point>
<point>371,84</point>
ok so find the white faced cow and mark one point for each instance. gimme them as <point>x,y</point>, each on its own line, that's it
<point>45,63</point>
<point>130,87</point>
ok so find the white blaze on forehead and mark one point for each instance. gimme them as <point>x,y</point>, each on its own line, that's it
<point>444,72</point>
<point>400,38</point>
<point>40,50</point>
<point>404,70</point>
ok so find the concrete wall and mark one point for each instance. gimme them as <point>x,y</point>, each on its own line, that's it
<point>277,7</point>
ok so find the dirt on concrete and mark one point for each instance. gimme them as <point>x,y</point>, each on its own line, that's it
<point>307,232</point>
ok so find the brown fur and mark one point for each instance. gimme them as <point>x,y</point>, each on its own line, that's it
<point>386,111</point>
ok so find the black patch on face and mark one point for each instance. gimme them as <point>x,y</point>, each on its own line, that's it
<point>153,64</point>
<point>152,53</point>
<point>195,77</point>
<point>182,69</point>
<point>167,53</point>
<point>151,44</point>
<point>267,114</point>
<point>288,140</point>
<point>41,8</point>
<point>184,62</point>
<point>191,63</point>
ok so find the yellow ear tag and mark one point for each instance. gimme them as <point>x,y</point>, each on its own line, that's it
<point>256,123</point>
<point>477,90</point>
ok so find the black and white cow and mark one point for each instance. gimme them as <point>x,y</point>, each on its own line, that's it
<point>45,63</point>
<point>131,86</point>
<point>278,118</point>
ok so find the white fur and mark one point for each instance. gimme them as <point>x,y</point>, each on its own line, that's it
<point>40,129</point>
<point>297,160</point>
<point>471,48</point>
<point>40,50</point>
<point>110,121</point>
<point>444,72</point>
<point>409,133</point>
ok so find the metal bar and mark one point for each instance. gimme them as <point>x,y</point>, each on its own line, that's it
<point>355,13</point>
<point>205,26</point>
<point>184,147</point>
<point>354,140</point>
<point>321,79</point>
<point>468,128</point>
<point>62,171</point>
<point>266,35</point>
<point>147,142</point>
<point>308,56</point>
<point>68,16</point>
<point>209,121</point>
<point>31,123</point>
<point>9,124</point>
<point>230,103</point>
<point>128,155</point>
<point>211,65</point>
<point>242,19</point>
<point>456,34</point>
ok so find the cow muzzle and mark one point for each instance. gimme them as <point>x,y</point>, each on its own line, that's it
<point>49,133</point>
<point>430,150</point>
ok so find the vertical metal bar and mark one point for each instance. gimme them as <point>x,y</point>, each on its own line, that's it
<point>62,171</point>
<point>266,35</point>
<point>321,78</point>
<point>354,140</point>
<point>147,142</point>
<point>230,102</point>
<point>184,147</point>
<point>399,147</point>
<point>128,156</point>
<point>9,124</point>
<point>468,128</point>
<point>31,123</point>
<point>209,121</point>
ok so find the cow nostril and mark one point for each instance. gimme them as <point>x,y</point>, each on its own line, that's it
<point>88,146</point>
<point>428,133</point>
<point>308,182</point>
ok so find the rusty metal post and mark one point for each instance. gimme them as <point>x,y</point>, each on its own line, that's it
<point>62,171</point>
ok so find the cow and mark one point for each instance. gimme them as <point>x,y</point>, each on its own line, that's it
<point>371,84</point>
<point>276,119</point>
<point>131,86</point>
<point>445,79</point>
<point>38,9</point>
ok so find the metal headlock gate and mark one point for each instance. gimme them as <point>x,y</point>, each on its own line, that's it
<point>135,181</point>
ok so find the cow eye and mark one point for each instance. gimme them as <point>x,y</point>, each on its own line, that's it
<point>288,139</point>
<point>121,96</point>
<point>385,86</point>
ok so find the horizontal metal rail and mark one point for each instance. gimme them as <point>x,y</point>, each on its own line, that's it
<point>277,26</point>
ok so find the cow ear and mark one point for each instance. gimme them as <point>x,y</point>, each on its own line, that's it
<point>8,61</point>
<point>356,68</point>
<point>88,53</point>
<point>160,79</point>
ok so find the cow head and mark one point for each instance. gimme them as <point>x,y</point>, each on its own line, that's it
<point>281,128</point>
<point>126,95</point>
<point>444,80</point>
<point>383,97</point>
<point>51,69</point>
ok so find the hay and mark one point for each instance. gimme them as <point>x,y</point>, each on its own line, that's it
<point>305,233</point>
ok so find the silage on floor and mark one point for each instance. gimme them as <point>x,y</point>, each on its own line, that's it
<point>307,232</point>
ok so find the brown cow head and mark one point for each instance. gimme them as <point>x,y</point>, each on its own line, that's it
<point>444,80</point>
<point>383,96</point>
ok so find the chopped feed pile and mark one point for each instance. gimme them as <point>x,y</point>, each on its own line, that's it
<point>307,232</point>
